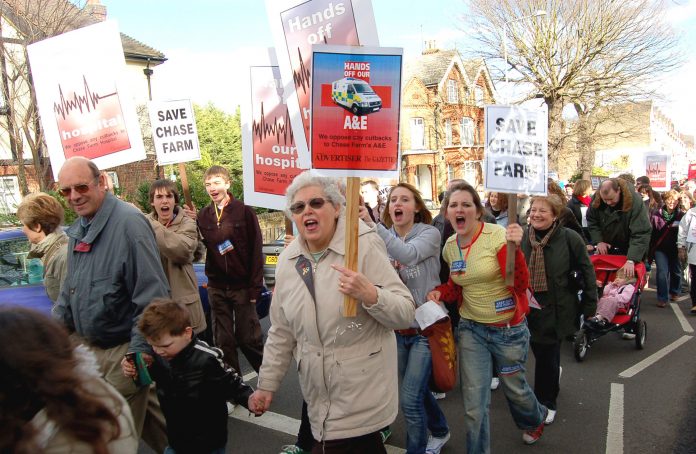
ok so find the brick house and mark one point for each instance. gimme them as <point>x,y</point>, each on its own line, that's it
<point>140,59</point>
<point>442,124</point>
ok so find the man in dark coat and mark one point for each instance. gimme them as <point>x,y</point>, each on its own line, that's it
<point>618,221</point>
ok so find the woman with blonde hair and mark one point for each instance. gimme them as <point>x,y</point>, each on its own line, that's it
<point>552,251</point>
<point>41,216</point>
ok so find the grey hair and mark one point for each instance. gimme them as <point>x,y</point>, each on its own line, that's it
<point>329,186</point>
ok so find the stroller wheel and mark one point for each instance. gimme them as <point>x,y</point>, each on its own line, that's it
<point>641,333</point>
<point>580,345</point>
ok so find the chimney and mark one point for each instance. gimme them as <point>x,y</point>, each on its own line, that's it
<point>95,10</point>
<point>431,47</point>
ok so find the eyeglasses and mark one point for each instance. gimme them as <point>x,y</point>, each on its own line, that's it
<point>80,188</point>
<point>315,204</point>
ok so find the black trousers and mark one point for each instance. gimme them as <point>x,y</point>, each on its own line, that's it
<point>546,372</point>
<point>370,443</point>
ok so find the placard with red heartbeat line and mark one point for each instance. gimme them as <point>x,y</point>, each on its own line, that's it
<point>275,159</point>
<point>90,123</point>
<point>337,26</point>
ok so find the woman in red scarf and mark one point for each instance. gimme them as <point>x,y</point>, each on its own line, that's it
<point>579,203</point>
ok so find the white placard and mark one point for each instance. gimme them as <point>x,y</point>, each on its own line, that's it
<point>516,153</point>
<point>83,97</point>
<point>658,167</point>
<point>174,131</point>
<point>297,25</point>
<point>269,155</point>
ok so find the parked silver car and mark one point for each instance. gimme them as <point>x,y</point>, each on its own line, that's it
<point>271,251</point>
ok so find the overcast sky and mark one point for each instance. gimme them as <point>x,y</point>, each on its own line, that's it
<point>209,42</point>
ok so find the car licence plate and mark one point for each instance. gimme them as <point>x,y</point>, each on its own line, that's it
<point>271,260</point>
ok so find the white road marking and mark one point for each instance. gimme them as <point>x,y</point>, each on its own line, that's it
<point>249,376</point>
<point>655,357</point>
<point>682,298</point>
<point>616,417</point>
<point>280,423</point>
<point>686,326</point>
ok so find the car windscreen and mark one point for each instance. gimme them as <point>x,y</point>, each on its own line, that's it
<point>363,88</point>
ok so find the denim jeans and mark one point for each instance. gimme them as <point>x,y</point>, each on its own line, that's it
<point>669,275</point>
<point>479,345</point>
<point>419,407</point>
<point>170,450</point>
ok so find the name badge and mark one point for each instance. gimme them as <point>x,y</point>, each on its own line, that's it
<point>458,267</point>
<point>506,305</point>
<point>225,247</point>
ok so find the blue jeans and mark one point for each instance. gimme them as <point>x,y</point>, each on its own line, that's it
<point>669,275</point>
<point>170,450</point>
<point>479,345</point>
<point>420,409</point>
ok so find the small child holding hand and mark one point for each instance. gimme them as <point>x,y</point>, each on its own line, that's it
<point>617,295</point>
<point>193,383</point>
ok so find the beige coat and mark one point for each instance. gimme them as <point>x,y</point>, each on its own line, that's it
<point>53,439</point>
<point>177,243</point>
<point>53,252</point>
<point>347,366</point>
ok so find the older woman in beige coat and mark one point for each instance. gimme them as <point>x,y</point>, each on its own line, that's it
<point>347,365</point>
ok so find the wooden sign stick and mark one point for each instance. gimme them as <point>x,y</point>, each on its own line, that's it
<point>185,185</point>
<point>511,246</point>
<point>350,305</point>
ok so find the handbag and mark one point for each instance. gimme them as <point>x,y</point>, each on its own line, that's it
<point>444,355</point>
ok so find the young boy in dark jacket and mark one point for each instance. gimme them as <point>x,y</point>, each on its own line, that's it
<point>193,383</point>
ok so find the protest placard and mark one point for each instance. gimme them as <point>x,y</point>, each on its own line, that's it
<point>658,167</point>
<point>297,25</point>
<point>356,94</point>
<point>269,155</point>
<point>174,132</point>
<point>83,98</point>
<point>515,158</point>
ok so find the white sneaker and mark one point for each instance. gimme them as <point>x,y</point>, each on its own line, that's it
<point>230,408</point>
<point>628,336</point>
<point>439,396</point>
<point>435,444</point>
<point>495,382</point>
<point>550,417</point>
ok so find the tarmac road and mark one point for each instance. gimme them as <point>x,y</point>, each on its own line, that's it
<point>620,399</point>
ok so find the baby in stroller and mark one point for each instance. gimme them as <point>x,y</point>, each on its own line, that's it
<point>616,296</point>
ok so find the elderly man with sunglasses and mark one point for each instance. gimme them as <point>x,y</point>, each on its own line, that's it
<point>114,271</point>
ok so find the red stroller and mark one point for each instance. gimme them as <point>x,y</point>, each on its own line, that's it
<point>627,320</point>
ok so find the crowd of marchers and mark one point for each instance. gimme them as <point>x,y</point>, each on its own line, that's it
<point>122,358</point>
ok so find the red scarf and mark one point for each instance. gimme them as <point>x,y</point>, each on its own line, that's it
<point>585,199</point>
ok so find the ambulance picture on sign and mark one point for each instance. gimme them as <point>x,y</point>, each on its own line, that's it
<point>355,95</point>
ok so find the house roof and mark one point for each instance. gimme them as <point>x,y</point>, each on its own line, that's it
<point>26,17</point>
<point>431,66</point>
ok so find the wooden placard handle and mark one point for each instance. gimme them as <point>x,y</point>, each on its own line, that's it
<point>350,305</point>
<point>185,185</point>
<point>511,246</point>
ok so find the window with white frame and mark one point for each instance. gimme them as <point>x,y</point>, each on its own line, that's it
<point>417,133</point>
<point>452,91</point>
<point>470,171</point>
<point>448,133</point>
<point>467,132</point>
<point>10,195</point>
<point>478,96</point>
<point>450,172</point>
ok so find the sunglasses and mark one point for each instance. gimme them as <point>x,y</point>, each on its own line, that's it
<point>315,204</point>
<point>79,188</point>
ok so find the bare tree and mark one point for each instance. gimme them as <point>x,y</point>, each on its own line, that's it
<point>23,22</point>
<point>588,53</point>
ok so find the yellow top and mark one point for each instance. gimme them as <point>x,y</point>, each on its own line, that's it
<point>485,297</point>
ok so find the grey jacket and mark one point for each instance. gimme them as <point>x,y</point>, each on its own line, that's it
<point>108,286</point>
<point>418,257</point>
